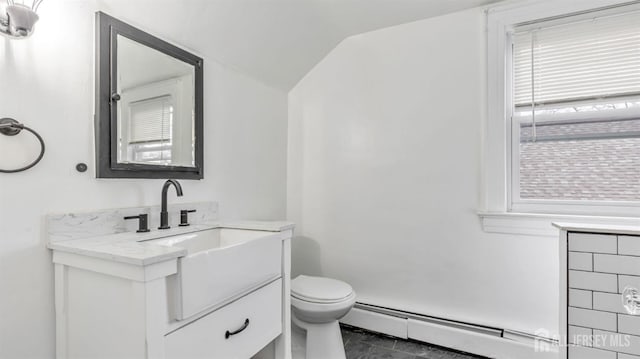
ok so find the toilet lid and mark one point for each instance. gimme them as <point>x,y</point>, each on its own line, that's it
<point>319,289</point>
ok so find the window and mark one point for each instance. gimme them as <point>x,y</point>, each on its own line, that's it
<point>156,123</point>
<point>576,115</point>
<point>574,111</point>
<point>150,132</point>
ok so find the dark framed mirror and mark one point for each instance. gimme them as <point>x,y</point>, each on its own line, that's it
<point>149,105</point>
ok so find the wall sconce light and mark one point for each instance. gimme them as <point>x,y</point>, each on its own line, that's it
<point>19,19</point>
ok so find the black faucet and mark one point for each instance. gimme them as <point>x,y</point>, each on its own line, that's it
<point>164,215</point>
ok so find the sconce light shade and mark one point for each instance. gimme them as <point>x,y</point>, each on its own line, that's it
<point>20,19</point>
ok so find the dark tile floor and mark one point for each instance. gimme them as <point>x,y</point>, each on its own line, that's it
<point>363,344</point>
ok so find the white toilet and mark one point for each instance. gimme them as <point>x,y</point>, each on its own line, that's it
<point>317,303</point>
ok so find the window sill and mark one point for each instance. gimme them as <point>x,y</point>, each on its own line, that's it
<point>539,224</point>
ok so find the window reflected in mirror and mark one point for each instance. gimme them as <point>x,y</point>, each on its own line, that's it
<point>155,113</point>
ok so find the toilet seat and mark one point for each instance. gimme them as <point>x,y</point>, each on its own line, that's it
<point>320,290</point>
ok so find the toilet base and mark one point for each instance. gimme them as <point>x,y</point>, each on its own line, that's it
<point>322,340</point>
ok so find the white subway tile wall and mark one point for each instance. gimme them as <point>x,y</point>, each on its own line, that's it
<point>629,324</point>
<point>579,352</point>
<point>609,302</point>
<point>628,281</point>
<point>580,336</point>
<point>581,298</point>
<point>581,261</point>
<point>600,266</point>
<point>593,281</point>
<point>627,356</point>
<point>621,343</point>
<point>592,319</point>
<point>628,245</point>
<point>594,243</point>
<point>619,264</point>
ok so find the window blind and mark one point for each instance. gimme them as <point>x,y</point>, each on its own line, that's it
<point>151,120</point>
<point>585,60</point>
<point>576,98</point>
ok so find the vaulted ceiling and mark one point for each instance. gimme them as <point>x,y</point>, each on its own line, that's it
<point>274,41</point>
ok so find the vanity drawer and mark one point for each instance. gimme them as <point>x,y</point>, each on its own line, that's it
<point>205,338</point>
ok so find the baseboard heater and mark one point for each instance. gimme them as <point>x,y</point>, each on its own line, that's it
<point>481,329</point>
<point>487,341</point>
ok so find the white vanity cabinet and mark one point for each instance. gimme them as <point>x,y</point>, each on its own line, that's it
<point>120,296</point>
<point>599,274</point>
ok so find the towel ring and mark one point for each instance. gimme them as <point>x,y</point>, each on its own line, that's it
<point>11,127</point>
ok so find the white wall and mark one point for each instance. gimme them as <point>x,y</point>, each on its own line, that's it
<point>46,82</point>
<point>384,180</point>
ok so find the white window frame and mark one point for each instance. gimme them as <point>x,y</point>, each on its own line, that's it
<point>498,185</point>
<point>183,126</point>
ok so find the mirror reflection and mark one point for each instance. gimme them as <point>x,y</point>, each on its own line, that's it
<point>155,112</point>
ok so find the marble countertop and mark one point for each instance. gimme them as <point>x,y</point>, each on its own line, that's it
<point>270,226</point>
<point>599,228</point>
<point>131,248</point>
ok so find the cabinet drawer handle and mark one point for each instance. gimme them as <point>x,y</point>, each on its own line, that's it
<point>244,326</point>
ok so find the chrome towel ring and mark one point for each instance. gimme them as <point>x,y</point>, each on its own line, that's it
<point>11,127</point>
